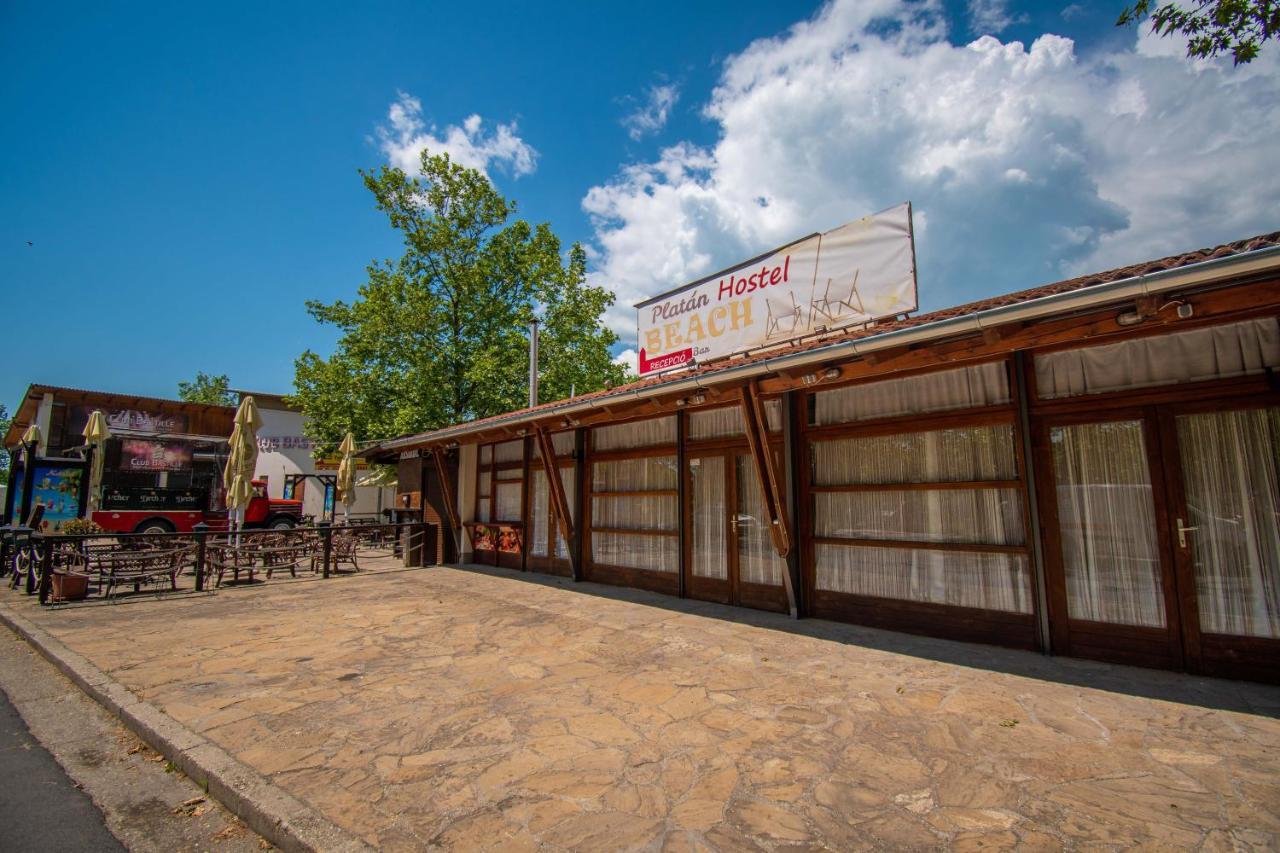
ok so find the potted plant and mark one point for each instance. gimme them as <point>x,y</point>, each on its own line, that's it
<point>70,586</point>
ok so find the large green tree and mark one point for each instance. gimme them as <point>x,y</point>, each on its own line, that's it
<point>440,335</point>
<point>207,389</point>
<point>1212,27</point>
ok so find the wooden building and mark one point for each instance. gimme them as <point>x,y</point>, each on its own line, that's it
<point>1090,468</point>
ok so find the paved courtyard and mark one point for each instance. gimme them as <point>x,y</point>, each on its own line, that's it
<point>473,709</point>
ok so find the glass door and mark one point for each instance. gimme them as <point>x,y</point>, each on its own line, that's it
<point>1111,588</point>
<point>760,570</point>
<point>731,558</point>
<point>709,573</point>
<point>1224,497</point>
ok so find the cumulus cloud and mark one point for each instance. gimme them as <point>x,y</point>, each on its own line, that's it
<point>630,359</point>
<point>991,17</point>
<point>405,134</point>
<point>1029,163</point>
<point>651,116</point>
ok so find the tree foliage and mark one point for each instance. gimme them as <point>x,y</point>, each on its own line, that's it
<point>440,335</point>
<point>1212,27</point>
<point>207,389</point>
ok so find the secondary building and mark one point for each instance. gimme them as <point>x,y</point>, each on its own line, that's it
<point>1088,468</point>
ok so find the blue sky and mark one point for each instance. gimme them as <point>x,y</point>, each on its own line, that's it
<point>187,175</point>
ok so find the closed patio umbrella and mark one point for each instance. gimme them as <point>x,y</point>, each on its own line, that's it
<point>96,435</point>
<point>347,474</point>
<point>243,457</point>
<point>32,435</point>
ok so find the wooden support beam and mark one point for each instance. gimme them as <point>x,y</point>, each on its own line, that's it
<point>547,450</point>
<point>446,494</point>
<point>757,429</point>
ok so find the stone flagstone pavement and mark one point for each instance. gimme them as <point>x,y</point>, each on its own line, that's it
<point>480,709</point>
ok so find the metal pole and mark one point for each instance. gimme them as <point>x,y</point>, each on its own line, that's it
<point>326,542</point>
<point>533,363</point>
<point>202,534</point>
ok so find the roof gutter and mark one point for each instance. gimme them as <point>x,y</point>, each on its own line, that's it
<point>1191,275</point>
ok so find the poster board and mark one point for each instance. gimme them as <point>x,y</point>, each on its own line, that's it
<point>851,275</point>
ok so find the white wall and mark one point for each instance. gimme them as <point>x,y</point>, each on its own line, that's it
<point>283,448</point>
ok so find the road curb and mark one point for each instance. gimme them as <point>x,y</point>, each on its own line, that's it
<point>265,807</point>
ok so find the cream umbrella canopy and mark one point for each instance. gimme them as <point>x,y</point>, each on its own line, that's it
<point>347,474</point>
<point>242,458</point>
<point>32,435</point>
<point>96,435</point>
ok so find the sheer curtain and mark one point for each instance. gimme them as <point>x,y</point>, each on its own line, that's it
<point>539,513</point>
<point>726,422</point>
<point>645,433</point>
<point>570,483</point>
<point>1231,474</point>
<point>959,388</point>
<point>757,561</point>
<point>949,513</point>
<point>940,456</point>
<point>1106,519</point>
<point>710,540</point>
<point>957,578</point>
<point>639,512</point>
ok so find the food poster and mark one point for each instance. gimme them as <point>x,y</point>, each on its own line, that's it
<point>57,489</point>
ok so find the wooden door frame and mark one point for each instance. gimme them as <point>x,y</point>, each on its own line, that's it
<point>1226,655</point>
<point>703,588</point>
<point>1110,638</point>
<point>733,590</point>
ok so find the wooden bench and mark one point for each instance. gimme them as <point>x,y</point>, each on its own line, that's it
<point>138,567</point>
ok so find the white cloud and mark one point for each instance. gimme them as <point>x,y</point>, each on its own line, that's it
<point>629,359</point>
<point>1072,12</point>
<point>406,134</point>
<point>1030,163</point>
<point>651,116</point>
<point>991,17</point>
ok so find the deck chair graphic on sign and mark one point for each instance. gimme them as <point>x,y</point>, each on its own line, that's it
<point>780,311</point>
<point>834,308</point>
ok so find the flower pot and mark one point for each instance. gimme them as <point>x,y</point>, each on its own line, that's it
<point>69,587</point>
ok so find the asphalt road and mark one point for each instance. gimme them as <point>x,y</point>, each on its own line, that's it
<point>43,810</point>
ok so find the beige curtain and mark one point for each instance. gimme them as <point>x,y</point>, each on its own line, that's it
<point>758,562</point>
<point>960,388</point>
<point>710,541</point>
<point>1231,473</point>
<point>1106,520</point>
<point>1233,349</point>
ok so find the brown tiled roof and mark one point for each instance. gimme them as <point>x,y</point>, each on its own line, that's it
<point>710,368</point>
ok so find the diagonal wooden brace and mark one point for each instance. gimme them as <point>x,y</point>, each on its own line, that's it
<point>547,450</point>
<point>446,490</point>
<point>757,429</point>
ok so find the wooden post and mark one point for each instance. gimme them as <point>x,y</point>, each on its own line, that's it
<point>757,429</point>
<point>791,460</point>
<point>446,495</point>
<point>201,531</point>
<point>576,560</point>
<point>547,450</point>
<point>326,543</point>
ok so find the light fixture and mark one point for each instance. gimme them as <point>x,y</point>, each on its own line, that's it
<point>682,402</point>
<point>831,373</point>
<point>570,422</point>
<point>809,379</point>
<point>1129,318</point>
<point>698,398</point>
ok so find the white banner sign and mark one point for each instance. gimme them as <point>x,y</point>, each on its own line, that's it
<point>849,275</point>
